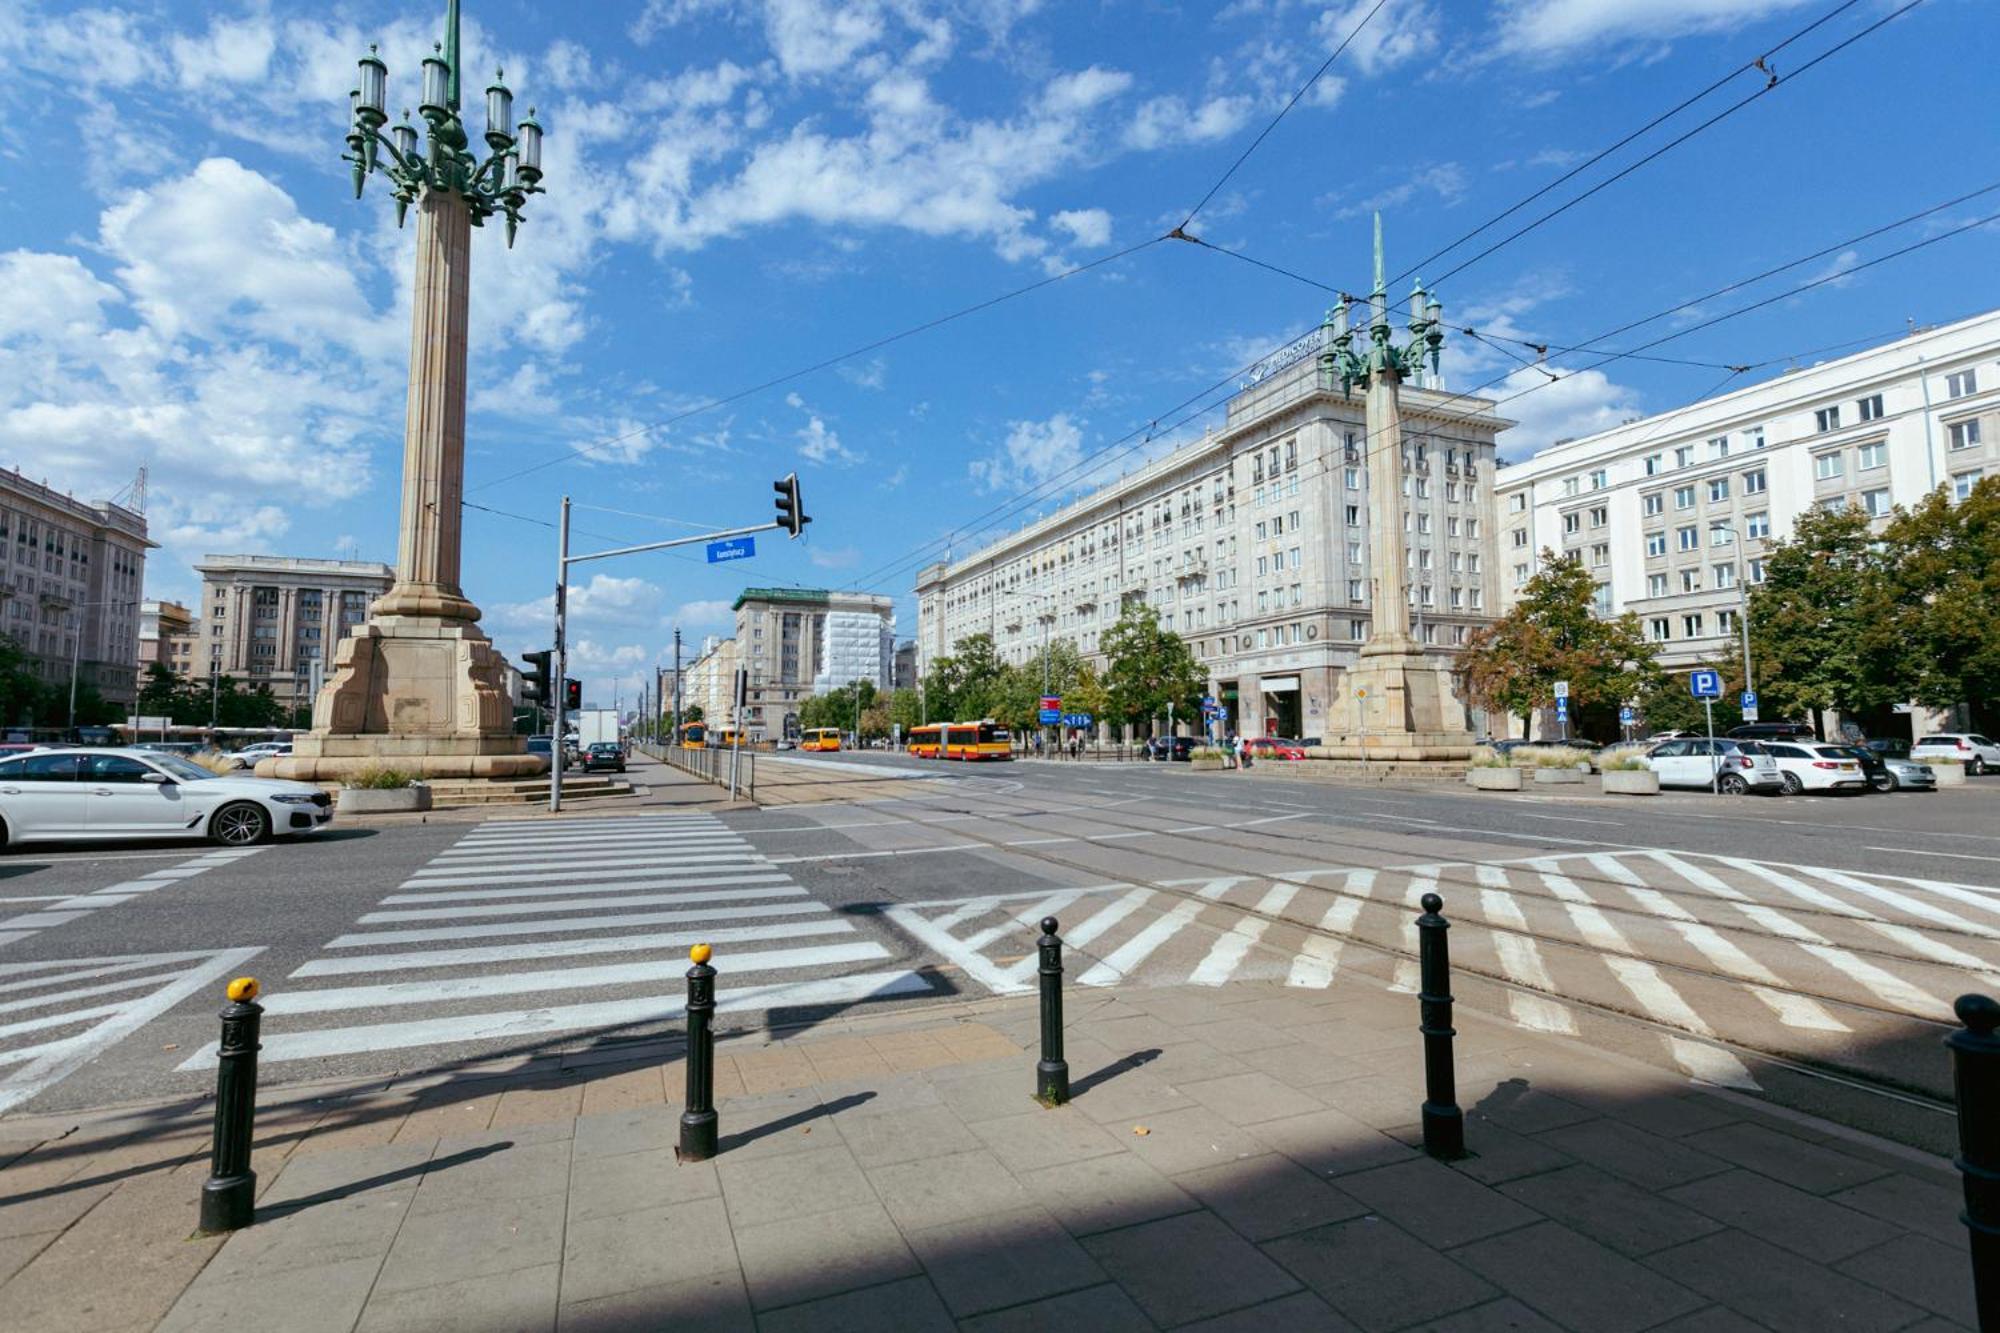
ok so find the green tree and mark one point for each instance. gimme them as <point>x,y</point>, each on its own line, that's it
<point>1824,625</point>
<point>20,688</point>
<point>1512,665</point>
<point>1150,667</point>
<point>1943,580</point>
<point>968,684</point>
<point>905,709</point>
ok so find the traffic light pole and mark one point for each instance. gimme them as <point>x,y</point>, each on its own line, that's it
<point>559,686</point>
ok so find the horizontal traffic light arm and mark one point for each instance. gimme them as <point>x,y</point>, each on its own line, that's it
<point>677,541</point>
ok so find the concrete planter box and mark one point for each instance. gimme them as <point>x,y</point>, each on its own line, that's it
<point>1494,779</point>
<point>1551,776</point>
<point>1201,765</point>
<point>384,801</point>
<point>1631,782</point>
<point>1948,775</point>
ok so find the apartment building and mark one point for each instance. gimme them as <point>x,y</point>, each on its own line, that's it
<point>1252,544</point>
<point>708,681</point>
<point>167,637</point>
<point>276,620</point>
<point>798,642</point>
<point>1674,514</point>
<point>71,576</point>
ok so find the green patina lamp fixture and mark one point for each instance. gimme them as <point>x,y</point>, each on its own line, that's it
<point>511,171</point>
<point>1339,360</point>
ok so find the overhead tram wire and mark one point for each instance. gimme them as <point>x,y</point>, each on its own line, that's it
<point>1759,63</point>
<point>1284,111</point>
<point>1098,459</point>
<point>585,451</point>
<point>1777,81</point>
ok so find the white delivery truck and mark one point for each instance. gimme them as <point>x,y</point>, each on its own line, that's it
<point>595,725</point>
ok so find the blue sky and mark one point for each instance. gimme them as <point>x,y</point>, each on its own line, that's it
<point>739,190</point>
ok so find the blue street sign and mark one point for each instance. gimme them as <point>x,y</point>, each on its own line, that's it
<point>1076,719</point>
<point>1562,710</point>
<point>1051,716</point>
<point>1749,698</point>
<point>1208,703</point>
<point>736,548</point>
<point>1705,684</point>
<point>1625,716</point>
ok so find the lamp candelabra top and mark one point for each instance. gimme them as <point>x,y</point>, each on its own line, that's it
<point>500,183</point>
<point>1341,360</point>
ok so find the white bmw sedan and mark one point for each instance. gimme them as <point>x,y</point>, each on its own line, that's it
<point>92,795</point>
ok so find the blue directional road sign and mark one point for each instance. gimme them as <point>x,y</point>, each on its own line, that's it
<point>1050,717</point>
<point>1562,710</point>
<point>735,548</point>
<point>1705,684</point>
<point>1076,719</point>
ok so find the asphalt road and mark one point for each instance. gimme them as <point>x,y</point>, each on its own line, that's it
<point>1803,949</point>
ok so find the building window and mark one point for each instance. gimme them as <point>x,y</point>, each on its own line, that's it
<point>1517,502</point>
<point>1960,383</point>
<point>1690,539</point>
<point>1656,543</point>
<point>1876,503</point>
<point>1690,580</point>
<point>1725,575</point>
<point>1684,456</point>
<point>1721,534</point>
<point>1357,631</point>
<point>1754,483</point>
<point>1600,555</point>
<point>1520,537</point>
<point>1354,553</point>
<point>1599,516</point>
<point>1599,479</point>
<point>1683,497</point>
<point>1353,479</point>
<point>1962,434</point>
<point>1653,462</point>
<point>1874,454</point>
<point>1656,629</point>
<point>1719,447</point>
<point>1451,526</point>
<point>1826,419</point>
<point>1963,482</point>
<point>1354,591</point>
<point>1571,485</point>
<point>1871,407</point>
<point>1691,626</point>
<point>1758,526</point>
<point>1827,466</point>
<point>1754,437</point>
<point>1718,489</point>
<point>1656,585</point>
<point>1756,571</point>
<point>1650,505</point>
<point>1471,526</point>
<point>1520,575</point>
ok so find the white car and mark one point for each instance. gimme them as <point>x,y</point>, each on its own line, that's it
<point>1970,748</point>
<point>1732,768</point>
<point>1808,767</point>
<point>92,795</point>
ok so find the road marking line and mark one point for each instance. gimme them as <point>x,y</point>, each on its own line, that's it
<point>541,1022</point>
<point>522,953</point>
<point>1698,877</point>
<point>376,938</point>
<point>1885,985</point>
<point>1659,999</point>
<point>1919,851</point>
<point>694,865</point>
<point>1710,1064</point>
<point>474,911</point>
<point>1793,1010</point>
<point>1798,1011</point>
<point>1935,950</point>
<point>1120,963</point>
<point>549,890</point>
<point>69,993</point>
<point>1779,924</point>
<point>1799,889</point>
<point>1229,951</point>
<point>1314,966</point>
<point>1655,902</point>
<point>1030,915</point>
<point>1914,906</point>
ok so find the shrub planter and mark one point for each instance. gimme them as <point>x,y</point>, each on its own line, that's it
<point>384,801</point>
<point>1949,775</point>
<point>1494,779</point>
<point>1203,764</point>
<point>1555,775</point>
<point>1631,782</point>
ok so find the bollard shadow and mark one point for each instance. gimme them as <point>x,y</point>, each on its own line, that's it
<point>1136,1060</point>
<point>817,1111</point>
<point>362,1186</point>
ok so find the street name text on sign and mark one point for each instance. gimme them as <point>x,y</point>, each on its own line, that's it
<point>735,548</point>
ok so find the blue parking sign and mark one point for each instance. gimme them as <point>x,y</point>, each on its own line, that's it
<point>1625,716</point>
<point>1705,684</point>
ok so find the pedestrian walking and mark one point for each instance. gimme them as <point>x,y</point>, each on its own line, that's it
<point>1076,747</point>
<point>1244,759</point>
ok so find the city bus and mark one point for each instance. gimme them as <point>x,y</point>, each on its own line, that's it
<point>985,739</point>
<point>825,739</point>
<point>694,736</point>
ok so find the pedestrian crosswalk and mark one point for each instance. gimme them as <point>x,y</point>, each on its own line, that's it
<point>64,910</point>
<point>1805,959</point>
<point>525,930</point>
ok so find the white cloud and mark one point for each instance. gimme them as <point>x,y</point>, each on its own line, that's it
<point>1088,227</point>
<point>1161,122</point>
<point>691,616</point>
<point>1580,403</point>
<point>1444,181</point>
<point>1551,28</point>
<point>1400,32</point>
<point>1035,452</point>
<point>606,602</point>
<point>231,51</point>
<point>1836,272</point>
<point>818,443</point>
<point>870,374</point>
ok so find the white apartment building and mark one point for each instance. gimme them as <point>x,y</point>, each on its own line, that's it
<point>1674,514</point>
<point>1251,544</point>
<point>71,580</point>
<point>707,681</point>
<point>798,642</point>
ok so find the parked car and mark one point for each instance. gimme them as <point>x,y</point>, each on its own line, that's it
<point>1179,748</point>
<point>1772,731</point>
<point>91,795</point>
<point>1888,747</point>
<point>1889,773</point>
<point>604,754</point>
<point>1275,747</point>
<point>1806,768</point>
<point>1733,767</point>
<point>545,747</point>
<point>1968,747</point>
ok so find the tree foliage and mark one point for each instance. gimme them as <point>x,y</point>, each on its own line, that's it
<point>1512,665</point>
<point>193,702</point>
<point>841,708</point>
<point>1825,627</point>
<point>1941,591</point>
<point>1150,668</point>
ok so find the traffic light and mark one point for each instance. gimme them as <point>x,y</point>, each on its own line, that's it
<point>535,682</point>
<point>791,514</point>
<point>572,694</point>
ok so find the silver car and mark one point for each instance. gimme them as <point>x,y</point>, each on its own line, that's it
<point>1910,774</point>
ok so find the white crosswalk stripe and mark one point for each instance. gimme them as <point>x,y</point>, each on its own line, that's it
<point>539,913</point>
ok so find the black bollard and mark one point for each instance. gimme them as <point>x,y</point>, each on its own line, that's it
<point>1052,1074</point>
<point>1975,1055</point>
<point>1444,1123</point>
<point>229,1195</point>
<point>698,1119</point>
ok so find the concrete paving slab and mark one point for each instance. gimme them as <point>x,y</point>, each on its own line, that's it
<point>1184,1268</point>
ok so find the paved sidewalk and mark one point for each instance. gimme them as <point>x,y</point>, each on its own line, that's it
<point>1239,1158</point>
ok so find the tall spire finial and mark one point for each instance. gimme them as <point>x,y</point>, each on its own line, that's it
<point>451,51</point>
<point>1381,284</point>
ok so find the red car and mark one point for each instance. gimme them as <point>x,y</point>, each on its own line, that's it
<point>1275,747</point>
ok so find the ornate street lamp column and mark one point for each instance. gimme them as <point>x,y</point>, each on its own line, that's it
<point>419,686</point>
<point>1401,706</point>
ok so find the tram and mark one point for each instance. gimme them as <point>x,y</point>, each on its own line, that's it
<point>694,736</point>
<point>822,739</point>
<point>985,739</point>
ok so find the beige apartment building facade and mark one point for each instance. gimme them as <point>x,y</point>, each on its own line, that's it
<point>275,620</point>
<point>1252,544</point>
<point>168,636</point>
<point>71,580</point>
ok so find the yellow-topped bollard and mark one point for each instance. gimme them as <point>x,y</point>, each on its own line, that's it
<point>701,953</point>
<point>698,1118</point>
<point>243,990</point>
<point>228,1196</point>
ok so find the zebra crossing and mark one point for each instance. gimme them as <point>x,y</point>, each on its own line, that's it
<point>65,910</point>
<point>585,927</point>
<point>1808,960</point>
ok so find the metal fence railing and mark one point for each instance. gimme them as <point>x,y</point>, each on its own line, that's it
<point>710,765</point>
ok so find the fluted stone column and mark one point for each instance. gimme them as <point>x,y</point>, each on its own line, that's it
<point>1390,548</point>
